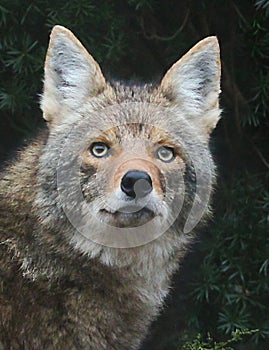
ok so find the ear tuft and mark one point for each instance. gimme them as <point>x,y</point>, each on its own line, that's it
<point>71,74</point>
<point>193,82</point>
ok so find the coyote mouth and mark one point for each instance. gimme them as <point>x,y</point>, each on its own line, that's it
<point>128,216</point>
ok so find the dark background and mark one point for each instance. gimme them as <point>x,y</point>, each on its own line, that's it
<point>224,282</point>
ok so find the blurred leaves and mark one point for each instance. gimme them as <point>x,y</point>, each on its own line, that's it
<point>232,282</point>
<point>210,344</point>
<point>264,4</point>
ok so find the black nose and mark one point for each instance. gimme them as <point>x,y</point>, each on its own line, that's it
<point>136,184</point>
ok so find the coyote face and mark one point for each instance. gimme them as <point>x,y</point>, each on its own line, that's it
<point>134,166</point>
<point>134,160</point>
<point>134,183</point>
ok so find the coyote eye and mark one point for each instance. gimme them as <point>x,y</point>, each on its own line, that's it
<point>99,149</point>
<point>165,154</point>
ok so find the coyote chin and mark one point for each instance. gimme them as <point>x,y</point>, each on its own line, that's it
<point>99,210</point>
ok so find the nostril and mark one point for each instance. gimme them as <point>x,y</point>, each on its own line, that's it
<point>136,184</point>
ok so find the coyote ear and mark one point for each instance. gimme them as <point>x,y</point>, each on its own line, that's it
<point>71,74</point>
<point>193,82</point>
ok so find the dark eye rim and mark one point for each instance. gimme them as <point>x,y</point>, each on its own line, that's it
<point>99,143</point>
<point>167,148</point>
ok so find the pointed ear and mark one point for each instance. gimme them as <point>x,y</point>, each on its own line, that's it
<point>193,83</point>
<point>71,75</point>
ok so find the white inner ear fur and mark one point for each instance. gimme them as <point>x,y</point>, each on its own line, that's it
<point>193,83</point>
<point>71,74</point>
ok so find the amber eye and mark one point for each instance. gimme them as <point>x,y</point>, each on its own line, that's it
<point>165,154</point>
<point>99,149</point>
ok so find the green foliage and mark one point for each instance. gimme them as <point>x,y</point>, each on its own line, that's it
<point>231,286</point>
<point>264,4</point>
<point>210,344</point>
<point>257,36</point>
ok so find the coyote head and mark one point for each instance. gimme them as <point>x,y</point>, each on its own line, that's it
<point>126,164</point>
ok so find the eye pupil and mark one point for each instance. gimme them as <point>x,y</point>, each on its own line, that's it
<point>165,154</point>
<point>99,149</point>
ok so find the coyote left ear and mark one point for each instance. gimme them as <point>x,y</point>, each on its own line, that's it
<point>193,83</point>
<point>71,75</point>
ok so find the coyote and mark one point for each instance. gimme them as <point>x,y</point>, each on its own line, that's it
<point>98,211</point>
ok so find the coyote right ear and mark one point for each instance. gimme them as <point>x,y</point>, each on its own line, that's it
<point>71,75</point>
